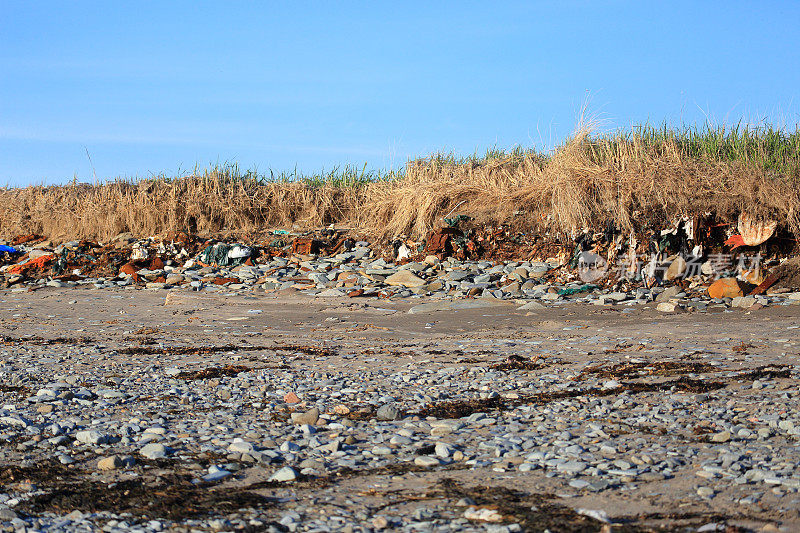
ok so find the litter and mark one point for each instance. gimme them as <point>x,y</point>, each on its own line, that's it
<point>40,264</point>
<point>754,231</point>
<point>9,249</point>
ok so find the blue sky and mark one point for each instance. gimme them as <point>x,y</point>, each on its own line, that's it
<point>151,87</point>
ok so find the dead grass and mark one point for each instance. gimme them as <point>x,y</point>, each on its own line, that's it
<point>586,183</point>
<point>634,179</point>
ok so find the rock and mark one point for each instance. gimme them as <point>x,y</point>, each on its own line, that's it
<point>388,412</point>
<point>291,398</point>
<point>443,450</point>
<point>725,288</point>
<point>483,514</point>
<point>723,436</point>
<point>331,293</point>
<point>572,467</point>
<point>705,492</point>
<point>240,446</point>
<point>427,461</point>
<point>667,307</point>
<point>224,394</point>
<point>91,437</point>
<point>309,417</point>
<point>531,306</point>
<point>45,408</point>
<point>341,410</point>
<point>216,473</point>
<point>404,278</point>
<point>668,294</point>
<point>287,473</point>
<point>380,522</point>
<point>676,269</point>
<point>110,463</point>
<point>154,450</point>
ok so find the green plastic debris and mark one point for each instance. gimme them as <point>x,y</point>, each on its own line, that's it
<point>60,264</point>
<point>220,254</point>
<point>576,290</point>
<point>456,220</point>
<point>573,263</point>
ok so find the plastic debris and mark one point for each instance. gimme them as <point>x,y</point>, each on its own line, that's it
<point>754,231</point>
<point>483,514</point>
<point>139,253</point>
<point>576,290</point>
<point>221,254</point>
<point>9,249</point>
<point>39,264</point>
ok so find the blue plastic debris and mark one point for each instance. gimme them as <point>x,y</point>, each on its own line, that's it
<point>9,249</point>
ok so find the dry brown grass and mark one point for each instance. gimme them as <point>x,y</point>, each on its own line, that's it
<point>209,204</point>
<point>585,183</point>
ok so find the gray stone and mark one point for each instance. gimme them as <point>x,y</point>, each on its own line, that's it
<point>309,417</point>
<point>154,450</point>
<point>388,412</point>
<point>427,461</point>
<point>91,437</point>
<point>110,463</point>
<point>287,473</point>
<point>404,278</point>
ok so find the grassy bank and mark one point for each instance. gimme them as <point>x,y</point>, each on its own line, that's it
<point>635,178</point>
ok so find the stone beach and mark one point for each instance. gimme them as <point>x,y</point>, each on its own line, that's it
<point>352,394</point>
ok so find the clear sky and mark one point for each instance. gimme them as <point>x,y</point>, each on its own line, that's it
<point>151,87</point>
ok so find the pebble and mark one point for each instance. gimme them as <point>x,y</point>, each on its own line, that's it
<point>154,450</point>
<point>287,473</point>
<point>388,412</point>
<point>110,463</point>
<point>309,417</point>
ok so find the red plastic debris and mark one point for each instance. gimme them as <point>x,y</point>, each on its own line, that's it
<point>735,241</point>
<point>40,264</point>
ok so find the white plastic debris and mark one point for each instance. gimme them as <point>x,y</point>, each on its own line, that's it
<point>139,252</point>
<point>238,252</point>
<point>403,252</point>
<point>483,514</point>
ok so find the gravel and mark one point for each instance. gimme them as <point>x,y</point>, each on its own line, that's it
<point>356,419</point>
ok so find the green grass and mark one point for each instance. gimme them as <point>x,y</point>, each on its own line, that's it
<point>339,176</point>
<point>773,149</point>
